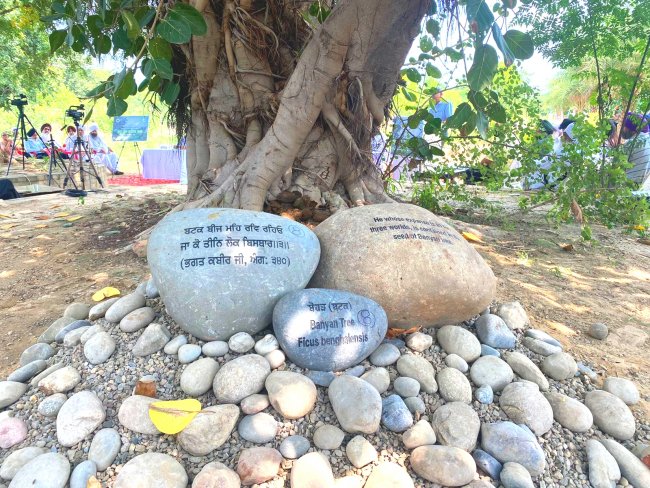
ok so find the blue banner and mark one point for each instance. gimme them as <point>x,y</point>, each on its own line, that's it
<point>130,128</point>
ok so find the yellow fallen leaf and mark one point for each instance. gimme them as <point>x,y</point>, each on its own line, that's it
<point>93,483</point>
<point>40,226</point>
<point>105,292</point>
<point>74,218</point>
<point>62,214</point>
<point>173,416</point>
<point>639,227</point>
<point>8,226</point>
<point>471,237</point>
<point>3,216</point>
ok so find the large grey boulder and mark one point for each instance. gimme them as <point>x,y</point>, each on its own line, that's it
<point>437,267</point>
<point>328,330</point>
<point>78,417</point>
<point>459,341</point>
<point>603,468</point>
<point>209,429</point>
<point>10,392</point>
<point>492,371</point>
<point>509,442</point>
<point>456,424</point>
<point>570,413</point>
<point>447,466</point>
<point>151,470</point>
<point>611,415</point>
<point>631,466</point>
<point>526,369</point>
<point>524,404</point>
<point>241,377</point>
<point>207,262</point>
<point>50,470</point>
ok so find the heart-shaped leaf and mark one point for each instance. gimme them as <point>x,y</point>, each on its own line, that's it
<point>171,417</point>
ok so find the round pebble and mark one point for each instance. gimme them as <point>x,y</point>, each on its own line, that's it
<point>241,342</point>
<point>294,446</point>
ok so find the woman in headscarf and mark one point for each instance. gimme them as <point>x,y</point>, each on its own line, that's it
<point>103,154</point>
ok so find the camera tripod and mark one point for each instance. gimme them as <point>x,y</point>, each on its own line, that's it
<point>80,150</point>
<point>20,103</point>
<point>57,160</point>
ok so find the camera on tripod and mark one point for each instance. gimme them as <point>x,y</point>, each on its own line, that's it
<point>19,101</point>
<point>75,112</point>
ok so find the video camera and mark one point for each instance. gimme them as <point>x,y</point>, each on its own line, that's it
<point>75,112</point>
<point>19,101</point>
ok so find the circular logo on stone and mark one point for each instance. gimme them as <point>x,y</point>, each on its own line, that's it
<point>296,231</point>
<point>366,317</point>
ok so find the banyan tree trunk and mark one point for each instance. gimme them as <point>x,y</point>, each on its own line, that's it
<point>278,104</point>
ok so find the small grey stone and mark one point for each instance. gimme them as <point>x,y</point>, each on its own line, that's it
<point>321,378</point>
<point>215,349</point>
<point>134,415</point>
<point>241,342</point>
<point>611,415</point>
<point>484,394</point>
<point>346,393</point>
<point>328,437</point>
<point>312,469</point>
<point>570,413</point>
<point>266,344</point>
<point>95,329</point>
<point>560,366</point>
<point>626,390</point>
<point>36,351</point>
<point>49,470</point>
<point>77,324</point>
<point>456,424</point>
<point>294,446</point>
<point>507,441</point>
<point>254,403</point>
<point>419,369</point>
<point>487,463</point>
<point>456,362</point>
<point>27,372</point>
<point>444,465</point>
<point>293,395</point>
<point>360,452</point>
<point>151,290</point>
<point>138,319</point>
<point>459,341</point>
<point>489,370</point>
<point>415,405</point>
<point>98,311</point>
<point>603,468</point>
<point>99,348</point>
<point>385,355</point>
<point>275,358</point>
<point>73,338</point>
<point>50,406</point>
<point>17,459</point>
<point>355,371</point>
<point>540,347</point>
<point>524,404</point>
<point>587,371</point>
<point>51,332</point>
<point>526,369</point>
<point>514,475</point>
<point>77,311</point>
<point>209,430</point>
<point>104,448</point>
<point>489,351</point>
<point>36,379</point>
<point>188,353</point>
<point>151,470</point>
<point>419,341</point>
<point>172,346</point>
<point>78,417</point>
<point>395,415</point>
<point>387,474</point>
<point>82,473</point>
<point>493,331</point>
<point>454,386</point>
<point>198,376</point>
<point>259,428</point>
<point>543,336</point>
<point>421,434</point>
<point>60,381</point>
<point>257,465</point>
<point>632,468</point>
<point>406,387</point>
<point>152,340</point>
<point>379,378</point>
<point>240,378</point>
<point>598,331</point>
<point>514,315</point>
<point>125,305</point>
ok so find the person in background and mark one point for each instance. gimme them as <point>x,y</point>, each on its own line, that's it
<point>441,109</point>
<point>103,154</point>
<point>5,147</point>
<point>34,146</point>
<point>46,135</point>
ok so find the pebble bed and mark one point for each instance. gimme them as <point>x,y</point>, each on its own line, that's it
<point>114,380</point>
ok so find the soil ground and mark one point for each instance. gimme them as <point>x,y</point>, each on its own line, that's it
<point>50,258</point>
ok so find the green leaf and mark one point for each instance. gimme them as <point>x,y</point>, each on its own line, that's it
<point>120,40</point>
<point>131,24</point>
<point>468,127</point>
<point>116,107</point>
<point>97,90</point>
<point>174,29</point>
<point>508,57</point>
<point>482,124</point>
<point>497,113</point>
<point>162,68</point>
<point>144,84</point>
<point>432,126</point>
<point>432,71</point>
<point>191,17</point>
<point>408,95</point>
<point>102,44</point>
<point>477,10</point>
<point>452,54</point>
<point>48,19</point>
<point>145,15</point>
<point>160,48</point>
<point>462,114</point>
<point>89,114</point>
<point>433,27</point>
<point>127,87</point>
<point>95,24</point>
<point>155,82</point>
<point>483,68</point>
<point>57,38</point>
<point>477,99</point>
<point>413,75</point>
<point>118,78</point>
<point>58,7</point>
<point>426,44</point>
<point>170,92</point>
<point>520,43</point>
<point>436,151</point>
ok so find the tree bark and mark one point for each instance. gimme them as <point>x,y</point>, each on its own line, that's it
<point>266,120</point>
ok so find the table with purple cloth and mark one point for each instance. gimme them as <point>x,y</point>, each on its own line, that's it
<point>164,164</point>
